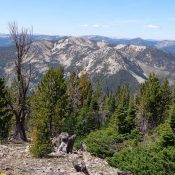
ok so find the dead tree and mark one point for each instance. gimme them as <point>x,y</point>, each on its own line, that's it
<point>22,40</point>
<point>70,143</point>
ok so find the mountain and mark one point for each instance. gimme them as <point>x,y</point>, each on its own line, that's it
<point>165,45</point>
<point>135,41</point>
<point>6,41</point>
<point>113,65</point>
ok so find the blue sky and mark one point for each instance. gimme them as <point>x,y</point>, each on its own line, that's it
<point>151,19</point>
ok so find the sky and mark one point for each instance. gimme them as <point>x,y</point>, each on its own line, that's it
<point>148,19</point>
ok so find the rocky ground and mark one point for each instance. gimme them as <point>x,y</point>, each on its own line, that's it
<point>16,160</point>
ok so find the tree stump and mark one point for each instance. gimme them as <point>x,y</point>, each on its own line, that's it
<point>64,143</point>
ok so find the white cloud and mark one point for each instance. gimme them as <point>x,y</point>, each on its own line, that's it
<point>105,26</point>
<point>84,25</point>
<point>152,26</point>
<point>96,25</point>
<point>100,25</point>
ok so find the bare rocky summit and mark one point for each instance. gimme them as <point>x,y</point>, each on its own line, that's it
<point>16,160</point>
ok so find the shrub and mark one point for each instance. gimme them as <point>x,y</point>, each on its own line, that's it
<point>167,136</point>
<point>41,143</point>
<point>102,143</point>
<point>145,161</point>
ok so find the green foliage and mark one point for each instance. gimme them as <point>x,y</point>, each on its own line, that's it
<point>124,117</point>
<point>131,116</point>
<point>85,122</point>
<point>5,116</point>
<point>73,106</point>
<point>102,143</point>
<point>145,161</point>
<point>172,117</point>
<point>110,104</point>
<point>73,92</point>
<point>41,143</point>
<point>135,135</point>
<point>49,109</point>
<point>83,103</point>
<point>118,119</point>
<point>105,142</point>
<point>85,90</point>
<point>50,100</point>
<point>154,101</point>
<point>166,99</point>
<point>167,136</point>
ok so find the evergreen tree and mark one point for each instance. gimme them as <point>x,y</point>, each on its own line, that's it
<point>149,103</point>
<point>118,119</point>
<point>85,122</point>
<point>131,116</point>
<point>73,92</point>
<point>5,115</point>
<point>110,104</point>
<point>172,117</point>
<point>165,100</point>
<point>49,107</point>
<point>120,114</point>
<point>41,138</point>
<point>94,106</point>
<point>85,90</point>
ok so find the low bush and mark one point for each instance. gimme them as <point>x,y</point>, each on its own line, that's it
<point>102,143</point>
<point>145,161</point>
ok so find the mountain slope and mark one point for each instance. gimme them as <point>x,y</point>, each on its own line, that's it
<point>113,65</point>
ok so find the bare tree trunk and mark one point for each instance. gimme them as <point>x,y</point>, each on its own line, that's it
<point>19,134</point>
<point>22,40</point>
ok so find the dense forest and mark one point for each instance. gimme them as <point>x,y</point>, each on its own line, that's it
<point>133,131</point>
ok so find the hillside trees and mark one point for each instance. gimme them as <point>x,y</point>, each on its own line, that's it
<point>154,101</point>
<point>83,105</point>
<point>22,40</point>
<point>118,120</point>
<point>5,115</point>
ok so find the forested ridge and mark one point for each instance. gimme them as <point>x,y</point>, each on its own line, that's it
<point>134,131</point>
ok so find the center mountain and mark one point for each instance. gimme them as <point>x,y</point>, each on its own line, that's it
<point>110,64</point>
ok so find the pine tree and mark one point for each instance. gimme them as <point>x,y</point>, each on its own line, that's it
<point>149,110</point>
<point>110,104</point>
<point>165,101</point>
<point>120,114</point>
<point>85,90</point>
<point>49,107</point>
<point>172,117</point>
<point>73,92</point>
<point>5,115</point>
<point>41,138</point>
<point>131,115</point>
<point>85,122</point>
<point>118,120</point>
